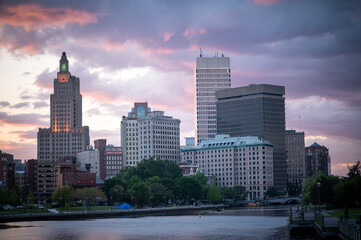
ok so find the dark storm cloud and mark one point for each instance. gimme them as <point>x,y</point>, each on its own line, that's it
<point>20,105</point>
<point>24,119</point>
<point>4,104</point>
<point>311,47</point>
<point>31,134</point>
<point>40,104</point>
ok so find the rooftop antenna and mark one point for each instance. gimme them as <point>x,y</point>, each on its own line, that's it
<point>200,49</point>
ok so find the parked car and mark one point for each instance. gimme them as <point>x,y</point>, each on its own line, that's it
<point>20,207</point>
<point>8,207</point>
<point>41,206</point>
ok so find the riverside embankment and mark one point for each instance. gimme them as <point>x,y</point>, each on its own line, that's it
<point>107,214</point>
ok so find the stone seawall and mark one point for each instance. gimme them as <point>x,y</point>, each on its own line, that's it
<point>106,214</point>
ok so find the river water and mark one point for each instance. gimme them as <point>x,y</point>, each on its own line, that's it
<point>242,223</point>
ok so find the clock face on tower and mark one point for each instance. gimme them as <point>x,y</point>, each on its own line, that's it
<point>63,67</point>
<point>140,111</point>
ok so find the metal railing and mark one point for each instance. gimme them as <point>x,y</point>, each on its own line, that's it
<point>319,219</point>
<point>349,231</point>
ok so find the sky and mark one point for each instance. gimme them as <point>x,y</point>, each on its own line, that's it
<point>135,51</point>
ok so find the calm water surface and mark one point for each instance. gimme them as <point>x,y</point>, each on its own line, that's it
<point>254,223</point>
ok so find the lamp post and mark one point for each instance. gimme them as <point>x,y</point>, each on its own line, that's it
<point>30,201</point>
<point>319,196</point>
<point>111,203</point>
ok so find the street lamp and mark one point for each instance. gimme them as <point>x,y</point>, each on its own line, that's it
<point>319,196</point>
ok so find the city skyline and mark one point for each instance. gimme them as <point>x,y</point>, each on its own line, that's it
<point>121,50</point>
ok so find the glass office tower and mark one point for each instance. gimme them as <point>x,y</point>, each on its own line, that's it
<point>256,110</point>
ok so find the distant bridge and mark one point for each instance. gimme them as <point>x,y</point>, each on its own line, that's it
<point>284,200</point>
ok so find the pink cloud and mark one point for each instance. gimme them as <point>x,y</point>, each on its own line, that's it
<point>110,46</point>
<point>24,120</point>
<point>150,51</point>
<point>26,134</point>
<point>167,36</point>
<point>34,16</point>
<point>191,32</point>
<point>19,150</point>
<point>265,2</point>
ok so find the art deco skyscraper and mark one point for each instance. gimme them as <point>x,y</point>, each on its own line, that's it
<point>66,136</point>
<point>211,74</point>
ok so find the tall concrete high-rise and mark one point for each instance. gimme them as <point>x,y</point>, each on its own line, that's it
<point>256,110</point>
<point>66,135</point>
<point>146,133</point>
<point>296,165</point>
<point>211,74</point>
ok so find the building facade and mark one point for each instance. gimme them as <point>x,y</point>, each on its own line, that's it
<point>90,156</point>
<point>317,159</point>
<point>256,110</point>
<point>66,135</point>
<point>296,164</point>
<point>245,161</point>
<point>113,156</point>
<point>31,174</point>
<point>7,170</point>
<point>211,74</point>
<point>69,175</point>
<point>46,179</point>
<point>100,145</point>
<point>146,133</point>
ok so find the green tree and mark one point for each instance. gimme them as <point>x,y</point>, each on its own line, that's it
<point>228,193</point>
<point>214,194</point>
<point>188,189</point>
<point>325,191</point>
<point>354,170</point>
<point>162,178</point>
<point>159,194</point>
<point>240,193</point>
<point>139,193</point>
<point>272,192</point>
<point>63,195</point>
<point>117,193</point>
<point>200,178</point>
<point>4,196</point>
<point>293,189</point>
<point>91,196</point>
<point>14,198</point>
<point>30,198</point>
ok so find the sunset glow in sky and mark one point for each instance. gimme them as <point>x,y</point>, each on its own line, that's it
<point>133,51</point>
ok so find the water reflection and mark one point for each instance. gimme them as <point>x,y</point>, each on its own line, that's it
<point>255,223</point>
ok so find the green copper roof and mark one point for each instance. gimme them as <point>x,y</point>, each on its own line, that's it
<point>225,141</point>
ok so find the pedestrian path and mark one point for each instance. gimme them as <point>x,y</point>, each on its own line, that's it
<point>53,210</point>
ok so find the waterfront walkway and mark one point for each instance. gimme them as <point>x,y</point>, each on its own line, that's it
<point>107,213</point>
<point>325,225</point>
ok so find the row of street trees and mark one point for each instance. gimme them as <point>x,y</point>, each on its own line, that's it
<point>65,195</point>
<point>334,191</point>
<point>15,196</point>
<point>159,182</point>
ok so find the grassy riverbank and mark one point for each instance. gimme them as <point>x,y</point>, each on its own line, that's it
<point>22,211</point>
<point>353,213</point>
<point>81,209</point>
